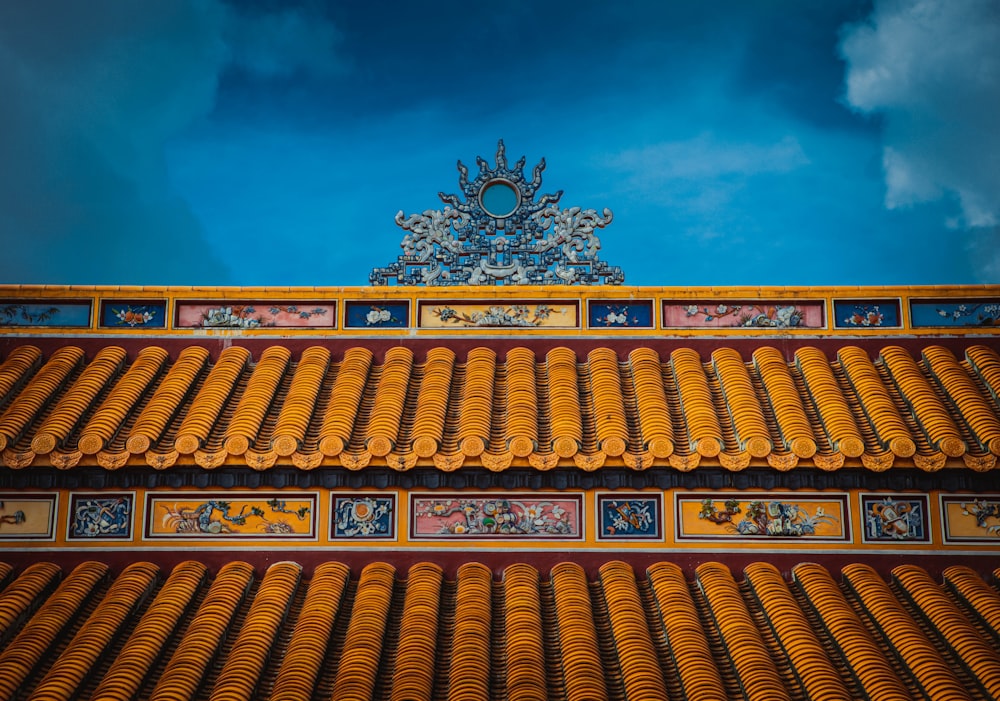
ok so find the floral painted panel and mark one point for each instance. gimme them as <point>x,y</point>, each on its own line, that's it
<point>377,315</point>
<point>629,516</point>
<point>866,313</point>
<point>771,516</point>
<point>562,314</point>
<point>603,314</point>
<point>229,314</point>
<point>971,518</point>
<point>223,515</point>
<point>121,314</point>
<point>955,312</point>
<point>364,516</point>
<point>101,516</point>
<point>69,313</point>
<point>27,516</point>
<point>724,313</point>
<point>468,516</point>
<point>895,518</point>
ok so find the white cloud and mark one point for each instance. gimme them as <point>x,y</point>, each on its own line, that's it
<point>931,70</point>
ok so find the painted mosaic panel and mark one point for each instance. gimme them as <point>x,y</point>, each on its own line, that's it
<point>629,517</point>
<point>26,516</point>
<point>230,314</point>
<point>364,516</point>
<point>101,516</point>
<point>70,313</point>
<point>133,314</point>
<point>562,314</point>
<point>895,518</point>
<point>615,313</point>
<point>955,312</point>
<point>228,516</point>
<point>971,518</point>
<point>377,315</point>
<point>725,313</point>
<point>467,516</point>
<point>866,313</point>
<point>772,516</point>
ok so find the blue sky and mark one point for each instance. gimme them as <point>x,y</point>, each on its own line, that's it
<point>271,143</point>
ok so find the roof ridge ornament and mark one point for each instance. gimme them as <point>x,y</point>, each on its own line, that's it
<point>499,234</point>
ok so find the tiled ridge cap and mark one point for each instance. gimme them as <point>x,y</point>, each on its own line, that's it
<point>443,410</point>
<point>380,633</point>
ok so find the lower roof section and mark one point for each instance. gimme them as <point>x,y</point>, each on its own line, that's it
<point>527,631</point>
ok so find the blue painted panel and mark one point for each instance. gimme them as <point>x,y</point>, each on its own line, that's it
<point>896,518</point>
<point>101,516</point>
<point>955,312</point>
<point>866,313</point>
<point>629,517</point>
<point>131,314</point>
<point>377,315</point>
<point>16,312</point>
<point>364,516</point>
<point>614,313</point>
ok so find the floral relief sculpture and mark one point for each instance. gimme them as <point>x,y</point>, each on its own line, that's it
<point>749,315</point>
<point>513,315</point>
<point>496,517</point>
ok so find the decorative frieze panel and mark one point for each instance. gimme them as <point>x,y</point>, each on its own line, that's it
<point>895,518</point>
<point>955,313</point>
<point>971,519</point>
<point>558,314</point>
<point>619,314</point>
<point>256,314</point>
<point>867,314</point>
<point>101,516</point>
<point>231,515</point>
<point>376,314</point>
<point>28,516</point>
<point>363,516</point>
<point>507,516</point>
<point>68,313</point>
<point>133,314</point>
<point>723,312</point>
<point>771,516</point>
<point>629,517</point>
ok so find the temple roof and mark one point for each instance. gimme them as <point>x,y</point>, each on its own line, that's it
<point>684,408</point>
<point>380,633</point>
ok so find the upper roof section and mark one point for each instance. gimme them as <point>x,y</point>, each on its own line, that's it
<point>497,233</point>
<point>603,311</point>
<point>519,409</point>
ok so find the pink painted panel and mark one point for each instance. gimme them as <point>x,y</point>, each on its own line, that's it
<point>246,314</point>
<point>725,313</point>
<point>474,516</point>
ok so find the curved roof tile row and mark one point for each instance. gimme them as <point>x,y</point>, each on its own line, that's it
<point>677,410</point>
<point>378,635</point>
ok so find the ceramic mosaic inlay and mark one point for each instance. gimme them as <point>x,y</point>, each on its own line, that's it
<point>770,516</point>
<point>497,233</point>
<point>451,315</point>
<point>971,518</point>
<point>602,314</point>
<point>468,516</point>
<point>135,314</point>
<point>866,314</point>
<point>895,517</point>
<point>57,312</point>
<point>377,315</point>
<point>26,516</point>
<point>629,517</point>
<point>364,516</point>
<point>230,314</point>
<point>101,516</point>
<point>955,312</point>
<point>226,515</point>
<point>724,313</point>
